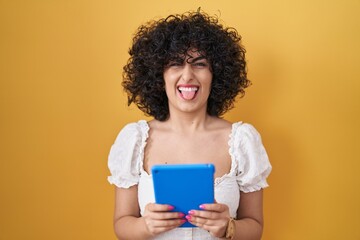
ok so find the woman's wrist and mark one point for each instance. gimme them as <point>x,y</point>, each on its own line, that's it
<point>230,229</point>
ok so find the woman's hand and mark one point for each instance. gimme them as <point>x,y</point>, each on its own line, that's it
<point>214,218</point>
<point>158,218</point>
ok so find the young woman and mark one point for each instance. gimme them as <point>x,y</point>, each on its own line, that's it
<point>185,71</point>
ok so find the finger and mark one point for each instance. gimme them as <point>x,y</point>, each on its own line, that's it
<point>167,223</point>
<point>153,207</point>
<point>216,207</point>
<point>204,214</point>
<point>166,215</point>
<point>200,222</point>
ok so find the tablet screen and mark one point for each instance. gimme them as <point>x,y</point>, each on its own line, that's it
<point>184,186</point>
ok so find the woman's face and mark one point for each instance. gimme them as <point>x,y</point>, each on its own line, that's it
<point>188,83</point>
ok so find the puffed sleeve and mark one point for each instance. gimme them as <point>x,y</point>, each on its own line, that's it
<point>124,157</point>
<point>253,162</point>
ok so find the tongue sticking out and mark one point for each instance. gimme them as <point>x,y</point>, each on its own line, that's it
<point>188,95</point>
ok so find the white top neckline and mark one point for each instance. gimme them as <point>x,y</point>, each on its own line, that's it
<point>145,129</point>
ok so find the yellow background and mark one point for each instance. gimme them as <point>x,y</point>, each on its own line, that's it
<point>62,106</point>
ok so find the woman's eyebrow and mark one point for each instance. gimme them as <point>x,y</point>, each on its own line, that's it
<point>192,59</point>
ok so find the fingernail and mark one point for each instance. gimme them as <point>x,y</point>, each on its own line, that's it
<point>202,206</point>
<point>188,217</point>
<point>191,212</point>
<point>181,215</point>
<point>182,220</point>
<point>171,208</point>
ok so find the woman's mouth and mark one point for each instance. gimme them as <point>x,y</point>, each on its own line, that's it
<point>188,93</point>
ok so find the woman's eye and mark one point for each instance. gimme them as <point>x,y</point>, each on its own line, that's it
<point>201,64</point>
<point>174,64</point>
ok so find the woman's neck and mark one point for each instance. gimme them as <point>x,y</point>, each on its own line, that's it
<point>188,123</point>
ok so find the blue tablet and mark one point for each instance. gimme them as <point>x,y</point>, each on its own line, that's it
<point>184,186</point>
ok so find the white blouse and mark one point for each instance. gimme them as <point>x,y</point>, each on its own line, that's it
<point>250,167</point>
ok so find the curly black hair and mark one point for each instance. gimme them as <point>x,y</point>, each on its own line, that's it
<point>157,43</point>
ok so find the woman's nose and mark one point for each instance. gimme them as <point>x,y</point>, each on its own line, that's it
<point>187,73</point>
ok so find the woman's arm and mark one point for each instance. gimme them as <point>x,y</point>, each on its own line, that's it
<point>249,225</point>
<point>128,223</point>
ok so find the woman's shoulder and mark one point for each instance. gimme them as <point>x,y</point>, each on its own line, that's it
<point>139,126</point>
<point>219,124</point>
<point>253,166</point>
<point>133,130</point>
<point>124,157</point>
<point>243,129</point>
<point>236,128</point>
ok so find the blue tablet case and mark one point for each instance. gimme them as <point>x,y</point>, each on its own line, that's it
<point>184,186</point>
